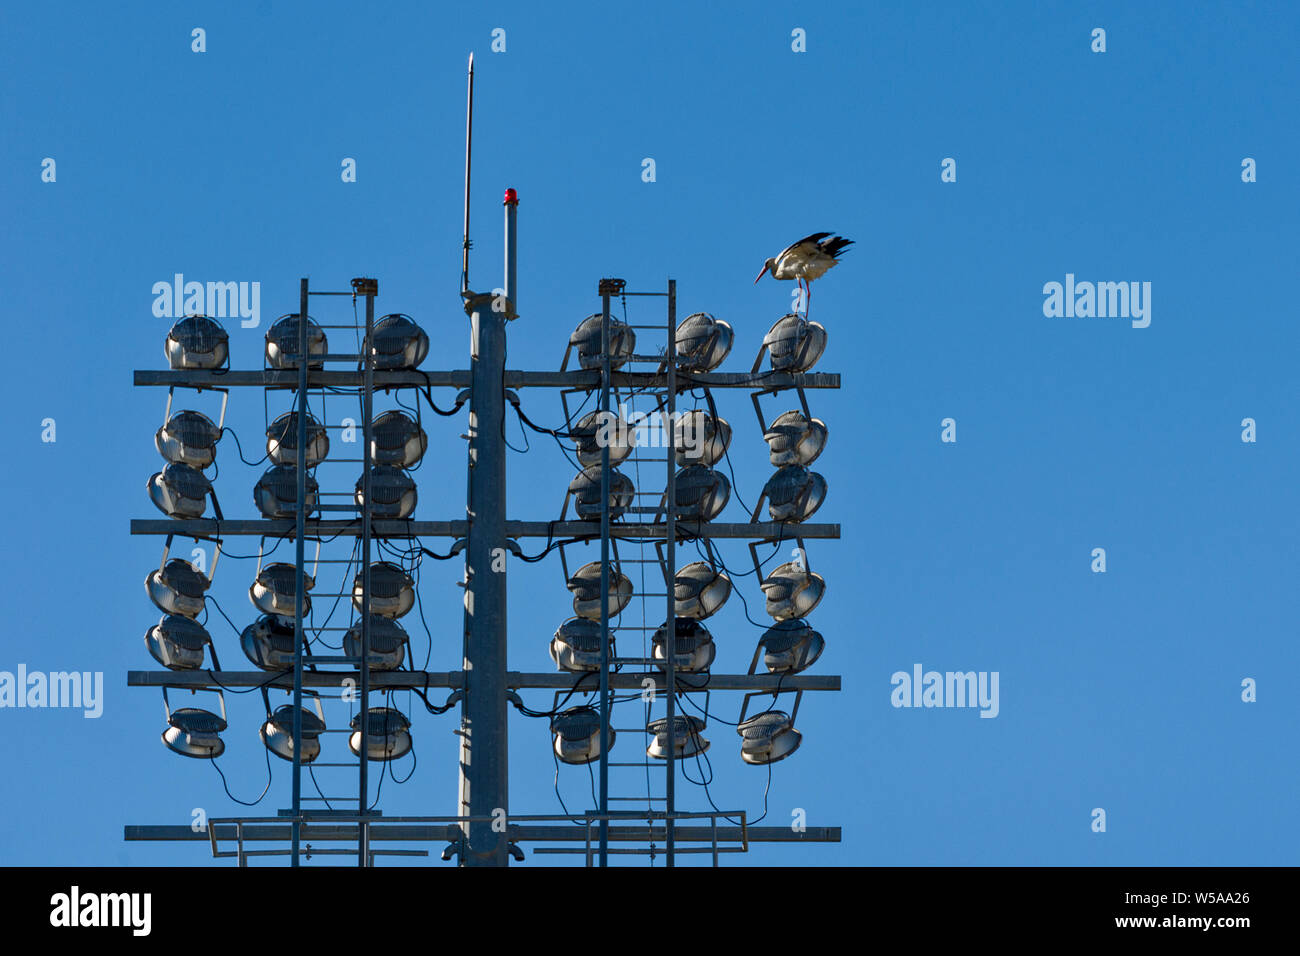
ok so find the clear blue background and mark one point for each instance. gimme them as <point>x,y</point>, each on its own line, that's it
<point>1119,691</point>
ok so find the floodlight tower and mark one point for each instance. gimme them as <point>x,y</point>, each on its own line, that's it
<point>484,686</point>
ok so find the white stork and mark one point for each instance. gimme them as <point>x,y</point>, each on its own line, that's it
<point>806,260</point>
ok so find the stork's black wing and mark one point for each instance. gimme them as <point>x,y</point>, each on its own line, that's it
<point>812,240</point>
<point>833,247</point>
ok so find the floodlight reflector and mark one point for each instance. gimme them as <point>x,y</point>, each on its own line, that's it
<point>277,733</point>
<point>703,342</point>
<point>177,642</point>
<point>687,739</point>
<point>577,735</point>
<point>282,440</point>
<point>585,488</point>
<point>392,592</point>
<point>701,493</point>
<point>388,642</point>
<point>792,591</point>
<point>392,492</point>
<point>576,645</point>
<point>276,492</point>
<point>699,590</point>
<point>194,732</point>
<point>586,339</point>
<point>275,588</point>
<point>600,428</point>
<point>388,731</point>
<point>176,588</point>
<point>794,344</point>
<point>399,342</point>
<point>700,438</point>
<point>693,647</point>
<point>269,643</point>
<point>790,647</point>
<point>282,343</point>
<point>794,439</point>
<point>180,491</point>
<point>397,439</point>
<point>585,585</point>
<point>188,438</point>
<point>197,342</point>
<point>794,493</point>
<point>768,737</point>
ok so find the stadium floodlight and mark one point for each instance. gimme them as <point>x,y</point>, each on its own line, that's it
<point>388,731</point>
<point>577,735</point>
<point>269,642</point>
<point>699,590</point>
<point>598,429</point>
<point>180,491</point>
<point>188,438</point>
<point>177,643</point>
<point>392,592</point>
<point>388,643</point>
<point>792,591</point>
<point>576,645</point>
<point>693,647</point>
<point>586,339</point>
<point>794,439</point>
<point>585,585</point>
<point>282,343</point>
<point>194,732</point>
<point>399,342</point>
<point>700,438</point>
<point>794,344</point>
<point>703,342</point>
<point>793,494</point>
<point>397,440</point>
<point>768,737</point>
<point>790,647</point>
<point>277,731</point>
<point>276,492</point>
<point>197,342</point>
<point>585,490</point>
<point>282,440</point>
<point>392,492</point>
<point>275,588</point>
<point>687,741</point>
<point>701,493</point>
<point>175,587</point>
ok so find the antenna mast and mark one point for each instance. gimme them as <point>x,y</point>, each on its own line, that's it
<point>469,139</point>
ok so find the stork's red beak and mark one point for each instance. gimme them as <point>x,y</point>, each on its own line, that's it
<point>761,274</point>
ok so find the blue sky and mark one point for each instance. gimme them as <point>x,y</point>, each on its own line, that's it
<point>1119,690</point>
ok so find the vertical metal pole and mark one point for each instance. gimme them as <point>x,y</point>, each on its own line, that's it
<point>604,578</point>
<point>367,413</point>
<point>469,138</point>
<point>300,527</point>
<point>484,769</point>
<point>670,671</point>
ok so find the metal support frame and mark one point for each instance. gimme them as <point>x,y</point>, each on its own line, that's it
<point>484,686</point>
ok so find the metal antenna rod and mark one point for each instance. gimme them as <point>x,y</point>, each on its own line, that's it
<point>469,139</point>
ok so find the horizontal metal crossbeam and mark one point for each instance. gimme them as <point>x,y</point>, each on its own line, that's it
<point>556,530</point>
<point>450,832</point>
<point>454,680</point>
<point>460,378</point>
